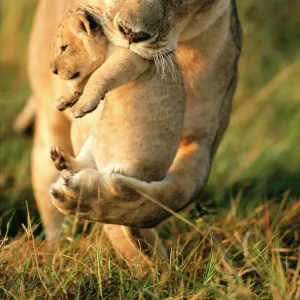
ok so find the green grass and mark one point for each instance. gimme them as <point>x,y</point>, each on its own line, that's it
<point>247,247</point>
<point>252,257</point>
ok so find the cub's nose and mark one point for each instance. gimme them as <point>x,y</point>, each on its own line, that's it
<point>75,75</point>
<point>133,37</point>
<point>55,71</point>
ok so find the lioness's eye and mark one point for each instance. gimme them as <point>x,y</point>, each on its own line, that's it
<point>64,48</point>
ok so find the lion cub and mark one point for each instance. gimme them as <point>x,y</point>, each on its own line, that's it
<point>140,120</point>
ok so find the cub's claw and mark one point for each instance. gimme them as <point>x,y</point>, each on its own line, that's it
<point>73,194</point>
<point>59,158</point>
<point>56,194</point>
<point>87,104</point>
<point>63,191</point>
<point>63,102</point>
<point>80,111</point>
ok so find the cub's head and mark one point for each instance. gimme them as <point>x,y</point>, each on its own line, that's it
<point>80,48</point>
<point>151,28</point>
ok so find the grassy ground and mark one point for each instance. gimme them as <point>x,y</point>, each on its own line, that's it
<point>246,247</point>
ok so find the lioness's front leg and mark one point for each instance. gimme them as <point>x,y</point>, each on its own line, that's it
<point>121,67</point>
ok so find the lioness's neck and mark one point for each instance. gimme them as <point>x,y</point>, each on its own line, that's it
<point>202,19</point>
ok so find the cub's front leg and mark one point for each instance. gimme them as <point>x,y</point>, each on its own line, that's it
<point>121,67</point>
<point>72,96</point>
<point>66,101</point>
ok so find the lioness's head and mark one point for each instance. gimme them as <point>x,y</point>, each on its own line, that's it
<point>80,48</point>
<point>149,27</point>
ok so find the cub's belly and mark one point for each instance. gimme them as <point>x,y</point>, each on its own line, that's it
<point>139,138</point>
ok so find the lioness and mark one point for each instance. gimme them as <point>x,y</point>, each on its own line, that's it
<point>207,36</point>
<point>140,121</point>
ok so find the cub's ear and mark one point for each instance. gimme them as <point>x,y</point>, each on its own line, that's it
<point>80,25</point>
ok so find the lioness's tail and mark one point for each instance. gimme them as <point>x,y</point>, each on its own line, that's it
<point>25,119</point>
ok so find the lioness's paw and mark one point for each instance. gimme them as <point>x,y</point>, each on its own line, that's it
<point>61,159</point>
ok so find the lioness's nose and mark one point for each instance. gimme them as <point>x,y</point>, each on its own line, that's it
<point>133,37</point>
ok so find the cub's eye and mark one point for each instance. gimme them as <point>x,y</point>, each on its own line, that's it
<point>63,48</point>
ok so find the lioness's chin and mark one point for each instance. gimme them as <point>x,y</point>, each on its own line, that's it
<point>151,53</point>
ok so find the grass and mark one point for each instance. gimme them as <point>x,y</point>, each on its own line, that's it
<point>253,257</point>
<point>246,247</point>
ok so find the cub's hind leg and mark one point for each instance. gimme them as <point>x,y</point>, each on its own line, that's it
<point>78,194</point>
<point>81,195</point>
<point>64,161</point>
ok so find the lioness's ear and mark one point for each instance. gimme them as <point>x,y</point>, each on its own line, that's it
<point>80,25</point>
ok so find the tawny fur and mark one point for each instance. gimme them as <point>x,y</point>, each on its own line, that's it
<point>25,118</point>
<point>139,123</point>
<point>209,41</point>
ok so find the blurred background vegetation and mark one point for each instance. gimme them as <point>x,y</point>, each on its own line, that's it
<point>260,153</point>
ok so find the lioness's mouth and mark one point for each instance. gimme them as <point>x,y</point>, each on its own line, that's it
<point>146,45</point>
<point>152,53</point>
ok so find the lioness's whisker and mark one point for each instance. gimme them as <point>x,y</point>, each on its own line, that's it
<point>172,68</point>
<point>162,62</point>
<point>156,64</point>
<point>165,62</point>
<point>159,64</point>
<point>169,63</point>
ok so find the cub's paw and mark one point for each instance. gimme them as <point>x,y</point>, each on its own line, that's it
<point>69,196</point>
<point>86,105</point>
<point>61,159</point>
<point>65,102</point>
